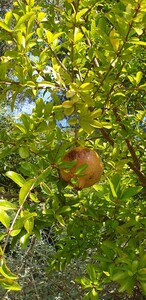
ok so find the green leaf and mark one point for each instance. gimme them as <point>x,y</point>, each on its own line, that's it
<point>69,111</point>
<point>112,188</point>
<point>143,260</point>
<point>8,17</point>
<point>24,240</point>
<point>5,205</point>
<point>15,232</point>
<point>94,294</point>
<point>70,93</point>
<point>33,197</point>
<point>86,282</point>
<point>17,178</point>
<point>96,124</point>
<point>39,107</point>
<point>5,219</point>
<point>9,284</point>
<point>45,188</point>
<point>77,35</point>
<point>5,27</point>
<point>25,190</point>
<point>92,272</point>
<point>48,109</point>
<point>119,275</point>
<point>28,225</point>
<point>81,13</point>
<point>130,192</point>
<point>143,286</point>
<point>49,35</point>
<point>81,169</point>
<point>86,126</point>
<point>1,252</point>
<point>138,43</point>
<point>127,285</point>
<point>24,152</point>
<point>114,39</point>
<point>86,86</point>
<point>30,2</point>
<point>60,220</point>
<point>11,53</point>
<point>21,128</point>
<point>72,121</point>
<point>26,121</point>
<point>45,84</point>
<point>67,104</point>
<point>43,176</point>
<point>64,209</point>
<point>23,19</point>
<point>138,77</point>
<point>5,271</point>
<point>67,164</point>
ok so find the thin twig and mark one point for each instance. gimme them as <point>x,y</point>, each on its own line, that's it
<point>35,287</point>
<point>15,218</point>
<point>27,254</point>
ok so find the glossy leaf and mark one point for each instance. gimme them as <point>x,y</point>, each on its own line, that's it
<point>25,190</point>
<point>5,219</point>
<point>17,178</point>
<point>9,284</point>
<point>60,220</point>
<point>23,19</point>
<point>28,225</point>
<point>5,271</point>
<point>5,27</point>
<point>6,205</point>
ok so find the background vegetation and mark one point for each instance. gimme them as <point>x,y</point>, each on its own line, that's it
<point>82,64</point>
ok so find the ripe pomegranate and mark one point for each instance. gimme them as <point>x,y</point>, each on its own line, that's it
<point>90,174</point>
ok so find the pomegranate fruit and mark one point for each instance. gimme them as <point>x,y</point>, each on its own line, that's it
<point>92,167</point>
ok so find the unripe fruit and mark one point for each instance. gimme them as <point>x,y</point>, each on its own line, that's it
<point>90,174</point>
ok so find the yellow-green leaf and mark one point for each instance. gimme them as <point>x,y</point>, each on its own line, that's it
<point>15,232</point>
<point>5,27</point>
<point>138,77</point>
<point>24,152</point>
<point>5,219</point>
<point>67,104</point>
<point>45,84</point>
<point>28,225</point>
<point>86,86</point>
<point>25,190</point>
<point>9,284</point>
<point>70,93</point>
<point>86,126</point>
<point>17,178</point>
<point>60,220</point>
<point>5,271</point>
<point>5,205</point>
<point>112,188</point>
<point>23,19</point>
<point>114,39</point>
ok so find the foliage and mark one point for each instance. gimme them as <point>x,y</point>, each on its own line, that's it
<point>90,53</point>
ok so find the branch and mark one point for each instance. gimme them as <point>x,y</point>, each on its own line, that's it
<point>128,142</point>
<point>15,218</point>
<point>141,175</point>
<point>107,136</point>
<point>118,54</point>
<point>58,60</point>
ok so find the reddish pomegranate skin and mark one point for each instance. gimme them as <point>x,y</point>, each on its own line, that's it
<point>90,175</point>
